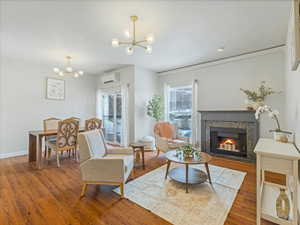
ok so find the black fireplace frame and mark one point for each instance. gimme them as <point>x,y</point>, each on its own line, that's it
<point>240,135</point>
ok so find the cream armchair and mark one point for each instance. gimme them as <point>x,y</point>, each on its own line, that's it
<point>166,137</point>
<point>100,164</point>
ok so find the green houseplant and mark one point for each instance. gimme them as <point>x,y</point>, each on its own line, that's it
<point>155,108</point>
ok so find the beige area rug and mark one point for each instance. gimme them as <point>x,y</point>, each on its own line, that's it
<point>204,204</point>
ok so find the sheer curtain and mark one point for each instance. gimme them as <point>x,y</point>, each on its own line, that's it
<point>195,122</point>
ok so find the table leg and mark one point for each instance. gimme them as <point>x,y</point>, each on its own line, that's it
<point>208,173</point>
<point>143,157</point>
<point>168,167</point>
<point>32,149</point>
<point>186,177</point>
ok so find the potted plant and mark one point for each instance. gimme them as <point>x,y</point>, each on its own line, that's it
<point>256,99</point>
<point>279,135</point>
<point>189,151</point>
<point>155,108</point>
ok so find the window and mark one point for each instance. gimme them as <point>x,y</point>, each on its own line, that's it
<point>180,109</point>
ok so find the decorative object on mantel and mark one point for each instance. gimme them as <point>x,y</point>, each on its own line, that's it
<point>134,43</point>
<point>155,108</point>
<point>256,99</point>
<point>55,89</point>
<point>69,70</point>
<point>279,135</point>
<point>283,205</point>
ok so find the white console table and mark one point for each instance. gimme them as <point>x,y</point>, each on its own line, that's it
<point>280,158</point>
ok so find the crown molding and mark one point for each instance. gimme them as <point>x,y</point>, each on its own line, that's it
<point>228,59</point>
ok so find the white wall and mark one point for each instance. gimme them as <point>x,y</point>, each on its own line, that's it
<point>219,85</point>
<point>25,107</point>
<point>146,87</point>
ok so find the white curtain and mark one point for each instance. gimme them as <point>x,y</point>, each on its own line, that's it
<point>195,122</point>
<point>125,116</point>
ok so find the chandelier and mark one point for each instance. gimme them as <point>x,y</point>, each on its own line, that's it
<point>134,42</point>
<point>68,70</point>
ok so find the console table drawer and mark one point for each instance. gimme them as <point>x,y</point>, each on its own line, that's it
<point>277,165</point>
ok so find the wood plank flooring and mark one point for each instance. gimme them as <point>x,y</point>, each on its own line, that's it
<point>51,196</point>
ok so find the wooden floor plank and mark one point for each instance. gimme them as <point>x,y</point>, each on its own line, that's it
<point>51,196</point>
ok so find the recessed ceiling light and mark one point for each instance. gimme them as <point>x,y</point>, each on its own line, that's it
<point>221,49</point>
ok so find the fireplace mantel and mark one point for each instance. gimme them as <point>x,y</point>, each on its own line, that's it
<point>235,118</point>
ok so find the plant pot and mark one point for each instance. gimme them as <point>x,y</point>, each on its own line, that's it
<point>280,136</point>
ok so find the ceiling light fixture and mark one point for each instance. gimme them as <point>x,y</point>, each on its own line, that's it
<point>221,49</point>
<point>134,43</point>
<point>69,70</point>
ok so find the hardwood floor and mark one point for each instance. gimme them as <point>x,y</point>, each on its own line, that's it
<point>51,196</point>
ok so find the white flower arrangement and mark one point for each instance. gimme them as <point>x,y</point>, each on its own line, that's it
<point>273,114</point>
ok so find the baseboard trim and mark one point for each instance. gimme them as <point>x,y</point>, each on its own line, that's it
<point>12,154</point>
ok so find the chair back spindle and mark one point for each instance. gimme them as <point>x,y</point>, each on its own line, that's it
<point>67,134</point>
<point>93,124</point>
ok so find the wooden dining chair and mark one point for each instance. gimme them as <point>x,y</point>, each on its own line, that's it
<point>75,118</point>
<point>92,124</point>
<point>66,138</point>
<point>50,124</point>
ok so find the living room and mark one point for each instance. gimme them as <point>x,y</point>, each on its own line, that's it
<point>191,97</point>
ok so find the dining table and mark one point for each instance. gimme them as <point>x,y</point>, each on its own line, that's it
<point>35,151</point>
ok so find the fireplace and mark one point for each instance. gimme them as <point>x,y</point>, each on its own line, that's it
<point>228,141</point>
<point>229,133</point>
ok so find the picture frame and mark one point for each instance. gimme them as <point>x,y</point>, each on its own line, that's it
<point>55,89</point>
<point>293,38</point>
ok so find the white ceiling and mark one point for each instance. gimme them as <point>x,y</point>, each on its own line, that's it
<point>186,32</point>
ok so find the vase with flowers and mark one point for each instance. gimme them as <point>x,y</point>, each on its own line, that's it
<point>256,99</point>
<point>279,135</point>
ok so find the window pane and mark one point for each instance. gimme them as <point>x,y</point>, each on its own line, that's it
<point>108,117</point>
<point>180,109</point>
<point>119,118</point>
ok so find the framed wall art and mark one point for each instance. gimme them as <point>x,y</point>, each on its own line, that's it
<point>293,38</point>
<point>55,89</point>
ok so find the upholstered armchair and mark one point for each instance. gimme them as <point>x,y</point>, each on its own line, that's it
<point>166,137</point>
<point>100,164</point>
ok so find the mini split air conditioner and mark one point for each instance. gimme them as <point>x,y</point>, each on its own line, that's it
<point>109,78</point>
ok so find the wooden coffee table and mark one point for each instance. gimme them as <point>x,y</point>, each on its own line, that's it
<point>185,174</point>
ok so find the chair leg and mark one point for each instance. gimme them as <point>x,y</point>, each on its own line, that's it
<point>122,190</point>
<point>57,159</point>
<point>76,155</point>
<point>158,151</point>
<point>83,190</point>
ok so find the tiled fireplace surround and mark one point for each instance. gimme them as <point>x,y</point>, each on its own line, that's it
<point>242,119</point>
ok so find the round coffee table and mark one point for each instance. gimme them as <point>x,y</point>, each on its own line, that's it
<point>188,175</point>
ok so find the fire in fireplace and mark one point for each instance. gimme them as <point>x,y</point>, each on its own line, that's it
<point>230,141</point>
<point>228,144</point>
